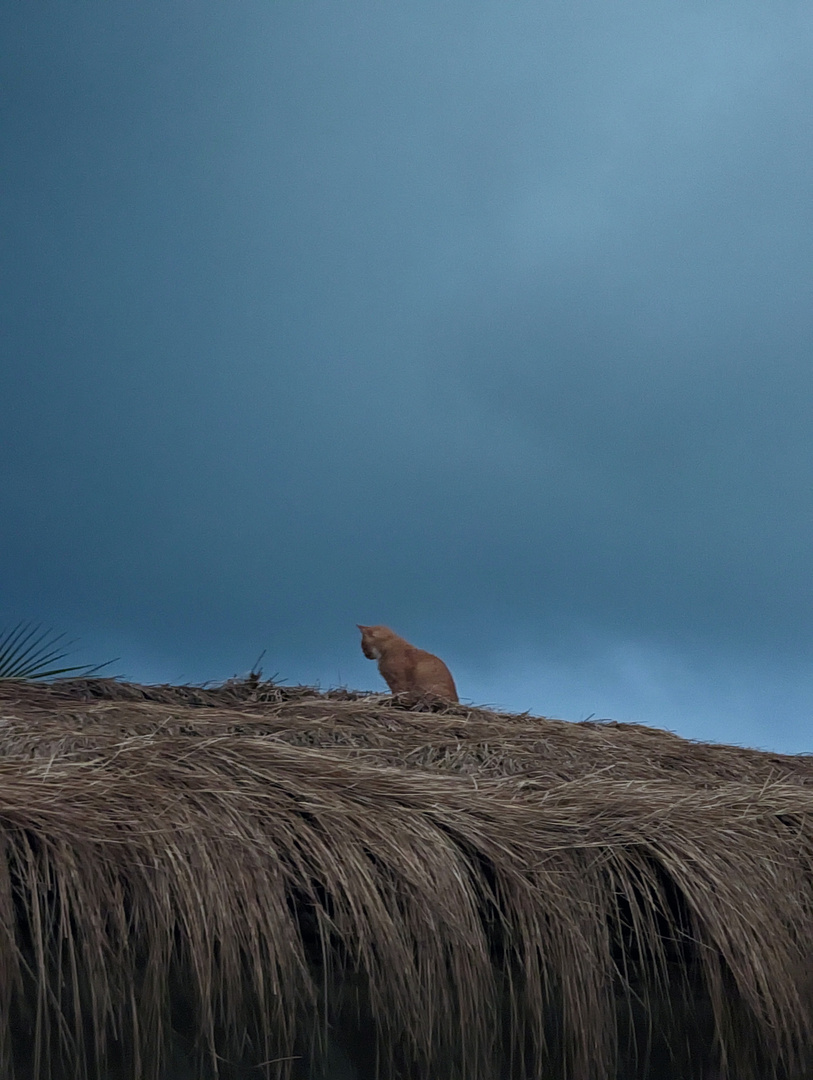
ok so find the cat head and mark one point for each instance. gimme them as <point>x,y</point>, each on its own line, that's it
<point>372,638</point>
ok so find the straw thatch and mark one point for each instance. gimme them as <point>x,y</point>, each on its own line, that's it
<point>252,875</point>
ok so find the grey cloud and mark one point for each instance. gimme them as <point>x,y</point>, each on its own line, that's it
<point>483,320</point>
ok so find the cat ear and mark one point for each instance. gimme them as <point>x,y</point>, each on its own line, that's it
<point>362,628</point>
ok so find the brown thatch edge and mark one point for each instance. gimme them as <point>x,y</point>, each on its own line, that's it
<point>250,862</point>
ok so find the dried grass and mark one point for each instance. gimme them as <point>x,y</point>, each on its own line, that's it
<point>492,888</point>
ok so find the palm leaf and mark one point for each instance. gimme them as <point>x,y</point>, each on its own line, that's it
<point>27,651</point>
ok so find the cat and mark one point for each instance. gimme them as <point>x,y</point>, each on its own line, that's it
<point>405,669</point>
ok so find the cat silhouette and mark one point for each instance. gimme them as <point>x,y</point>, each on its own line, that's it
<point>405,669</point>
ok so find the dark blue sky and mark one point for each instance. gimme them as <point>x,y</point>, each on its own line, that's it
<point>490,321</point>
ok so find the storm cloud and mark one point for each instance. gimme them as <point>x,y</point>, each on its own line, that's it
<point>488,321</point>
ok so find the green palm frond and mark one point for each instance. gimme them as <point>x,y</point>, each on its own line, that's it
<point>27,651</point>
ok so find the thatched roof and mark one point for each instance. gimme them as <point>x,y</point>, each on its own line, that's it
<point>251,862</point>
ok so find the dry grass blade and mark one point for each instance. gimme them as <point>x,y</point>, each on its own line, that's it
<point>235,868</point>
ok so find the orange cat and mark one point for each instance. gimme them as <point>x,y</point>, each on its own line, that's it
<point>405,668</point>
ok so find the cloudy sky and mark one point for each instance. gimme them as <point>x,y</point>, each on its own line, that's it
<point>490,320</point>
